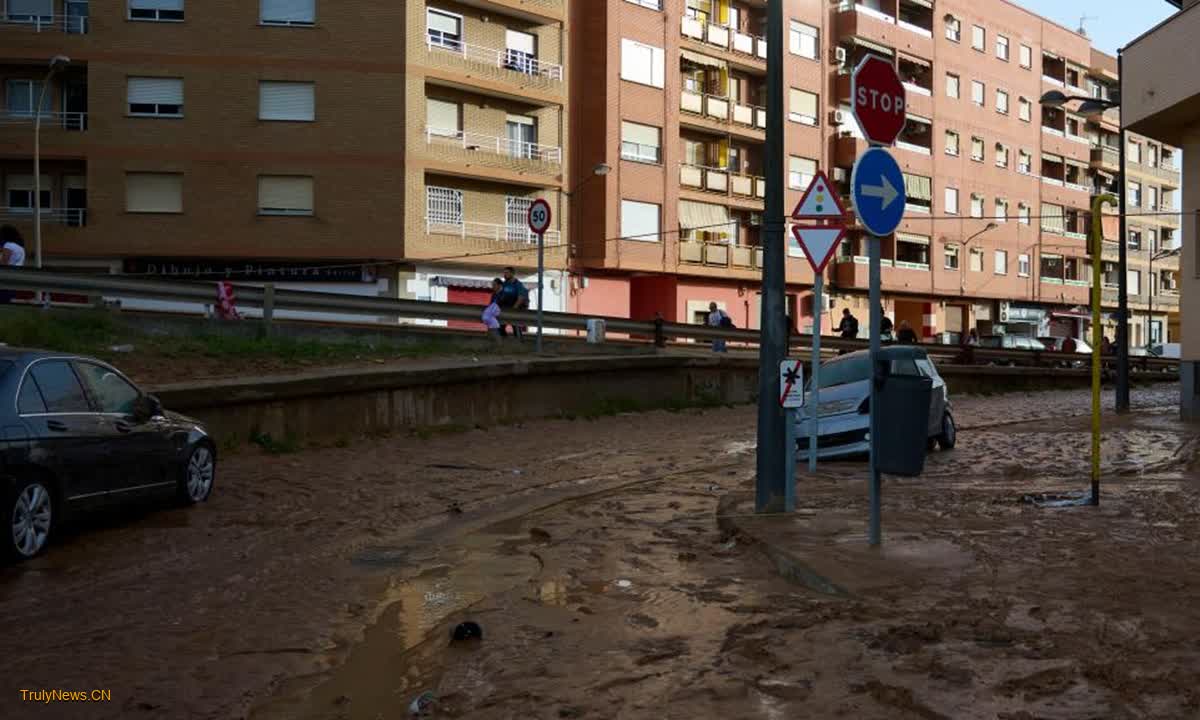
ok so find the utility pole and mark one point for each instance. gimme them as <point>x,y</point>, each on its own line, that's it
<point>1122,400</point>
<point>771,481</point>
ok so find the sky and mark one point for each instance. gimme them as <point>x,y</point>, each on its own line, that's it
<point>1111,24</point>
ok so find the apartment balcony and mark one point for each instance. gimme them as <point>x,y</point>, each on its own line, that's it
<point>71,23</point>
<point>854,273</point>
<point>1166,176</point>
<point>553,10</point>
<point>493,244</point>
<point>1166,299</point>
<point>741,50</point>
<point>856,20</point>
<point>721,115</point>
<point>1060,290</point>
<point>1106,159</point>
<point>721,255</point>
<point>61,217</point>
<point>501,72</point>
<point>501,158</point>
<point>1058,142</point>
<point>738,190</point>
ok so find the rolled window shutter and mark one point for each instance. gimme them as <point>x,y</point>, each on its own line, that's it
<point>300,11</point>
<point>40,8</point>
<point>287,101</point>
<point>155,91</point>
<point>640,134</point>
<point>290,193</point>
<point>154,192</point>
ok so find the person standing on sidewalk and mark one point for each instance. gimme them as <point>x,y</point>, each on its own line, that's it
<point>513,296</point>
<point>12,254</point>
<point>718,319</point>
<point>849,325</point>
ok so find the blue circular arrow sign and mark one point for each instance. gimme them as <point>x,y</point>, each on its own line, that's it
<point>877,187</point>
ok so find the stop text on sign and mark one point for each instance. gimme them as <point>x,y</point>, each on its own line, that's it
<point>873,99</point>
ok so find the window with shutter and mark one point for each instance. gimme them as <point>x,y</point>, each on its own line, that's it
<point>285,195</point>
<point>295,101</point>
<point>19,191</point>
<point>288,12</point>
<point>803,40</point>
<point>154,192</point>
<point>800,172</point>
<point>639,221</point>
<point>155,97</point>
<point>30,11</point>
<point>520,52</point>
<point>444,29</point>
<point>641,63</point>
<point>802,106</point>
<point>156,10</point>
<point>640,143</point>
<point>442,118</point>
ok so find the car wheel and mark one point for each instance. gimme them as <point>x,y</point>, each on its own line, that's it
<point>199,473</point>
<point>949,434</point>
<point>29,508</point>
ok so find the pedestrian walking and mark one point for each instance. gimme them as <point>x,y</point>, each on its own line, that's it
<point>848,327</point>
<point>718,319</point>
<point>12,254</point>
<point>513,296</point>
<point>1106,346</point>
<point>491,313</point>
<point>906,335</point>
<point>885,326</point>
<point>973,338</point>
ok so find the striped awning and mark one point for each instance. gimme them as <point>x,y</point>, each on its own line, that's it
<point>701,60</point>
<point>460,282</point>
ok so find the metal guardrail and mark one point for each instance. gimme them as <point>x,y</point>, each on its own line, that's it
<point>269,299</point>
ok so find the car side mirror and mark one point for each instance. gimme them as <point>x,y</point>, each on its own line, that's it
<point>147,407</point>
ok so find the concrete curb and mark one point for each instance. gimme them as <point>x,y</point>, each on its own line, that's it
<point>733,520</point>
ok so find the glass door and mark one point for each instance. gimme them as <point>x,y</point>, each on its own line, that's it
<point>521,133</point>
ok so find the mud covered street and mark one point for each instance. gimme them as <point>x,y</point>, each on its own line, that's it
<point>325,584</point>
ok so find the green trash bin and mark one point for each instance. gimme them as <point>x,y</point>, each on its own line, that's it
<point>903,422</point>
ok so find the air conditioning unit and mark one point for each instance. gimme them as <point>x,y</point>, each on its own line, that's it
<point>756,219</point>
<point>1004,312</point>
<point>840,55</point>
<point>837,117</point>
<point>841,175</point>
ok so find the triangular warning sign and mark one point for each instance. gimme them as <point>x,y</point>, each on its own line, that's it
<point>820,201</point>
<point>819,244</point>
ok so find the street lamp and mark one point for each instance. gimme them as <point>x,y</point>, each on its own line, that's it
<point>58,62</point>
<point>1150,281</point>
<point>1093,106</point>
<point>962,268</point>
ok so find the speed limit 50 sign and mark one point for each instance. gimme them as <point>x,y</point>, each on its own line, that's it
<point>539,216</point>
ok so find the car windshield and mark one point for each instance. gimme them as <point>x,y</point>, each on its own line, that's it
<point>843,371</point>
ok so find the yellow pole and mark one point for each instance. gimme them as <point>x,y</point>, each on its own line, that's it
<point>1097,332</point>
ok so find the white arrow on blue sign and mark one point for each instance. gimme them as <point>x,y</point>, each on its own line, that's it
<point>877,186</point>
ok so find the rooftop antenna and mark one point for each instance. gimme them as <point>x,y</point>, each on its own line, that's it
<point>1083,19</point>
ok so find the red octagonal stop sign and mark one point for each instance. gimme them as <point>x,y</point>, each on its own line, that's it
<point>878,99</point>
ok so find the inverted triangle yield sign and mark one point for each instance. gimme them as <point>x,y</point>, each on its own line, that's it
<point>820,201</point>
<point>819,244</point>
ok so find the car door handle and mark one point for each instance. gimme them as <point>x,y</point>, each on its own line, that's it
<point>56,425</point>
<point>122,427</point>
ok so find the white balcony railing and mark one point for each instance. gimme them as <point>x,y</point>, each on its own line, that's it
<point>65,120</point>
<point>1053,131</point>
<point>915,29</point>
<point>517,149</point>
<point>918,89</point>
<point>1081,188</point>
<point>691,101</point>
<point>505,58</point>
<point>692,28</point>
<point>519,234</point>
<point>717,35</point>
<point>1079,139</point>
<point>919,149</point>
<point>1053,81</point>
<point>848,5</point>
<point>71,217</point>
<point>1053,181</point>
<point>70,24</point>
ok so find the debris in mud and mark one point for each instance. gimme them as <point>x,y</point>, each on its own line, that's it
<point>784,690</point>
<point>1058,500</point>
<point>640,620</point>
<point>906,639</point>
<point>468,630</point>
<point>539,535</point>
<point>421,704</point>
<point>624,584</point>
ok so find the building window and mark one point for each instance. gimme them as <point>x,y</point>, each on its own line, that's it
<point>802,106</point>
<point>1001,101</point>
<point>1135,282</point>
<point>800,172</point>
<point>951,201</point>
<point>978,92</point>
<point>285,195</point>
<point>1152,196</point>
<point>1001,262</point>
<point>643,64</point>
<point>951,143</point>
<point>652,4</point>
<point>1152,155</point>
<point>1002,47</point>
<point>977,149</point>
<point>1026,57</point>
<point>442,118</point>
<point>919,192</point>
<point>952,84</point>
<point>804,40</point>
<point>443,206</point>
<point>19,189</point>
<point>1053,218</point>
<point>1001,210</point>
<point>293,12</point>
<point>153,192</point>
<point>1023,215</point>
<point>1135,195</point>
<point>953,28</point>
<point>1023,265</point>
<point>22,97</point>
<point>444,29</point>
<point>520,52</point>
<point>978,38</point>
<point>950,253</point>
<point>976,260</point>
<point>1001,156</point>
<point>1135,239</point>
<point>976,205</point>
<point>1025,109</point>
<point>639,221</point>
<point>153,10</point>
<point>1024,162</point>
<point>295,101</point>
<point>1135,151</point>
<point>641,143</point>
<point>155,97</point>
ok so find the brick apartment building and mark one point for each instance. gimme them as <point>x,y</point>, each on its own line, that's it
<point>393,148</point>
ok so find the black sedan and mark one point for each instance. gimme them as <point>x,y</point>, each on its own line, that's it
<point>76,434</point>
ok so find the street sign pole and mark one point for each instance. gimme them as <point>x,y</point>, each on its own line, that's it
<point>791,383</point>
<point>874,491</point>
<point>539,223</point>
<point>815,402</point>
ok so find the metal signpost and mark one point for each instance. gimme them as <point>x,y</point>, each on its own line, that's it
<point>539,223</point>
<point>819,242</point>
<point>877,185</point>
<point>791,397</point>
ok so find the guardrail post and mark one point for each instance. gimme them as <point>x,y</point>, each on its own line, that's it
<point>268,308</point>
<point>660,337</point>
